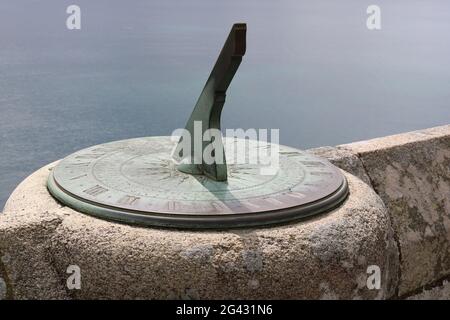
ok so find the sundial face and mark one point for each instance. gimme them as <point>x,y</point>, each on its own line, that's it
<point>136,181</point>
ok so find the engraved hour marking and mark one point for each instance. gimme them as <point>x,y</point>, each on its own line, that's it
<point>296,195</point>
<point>247,203</point>
<point>78,177</point>
<point>321,173</point>
<point>78,164</point>
<point>290,153</point>
<point>219,206</point>
<point>313,163</point>
<point>128,200</point>
<point>103,150</point>
<point>273,201</point>
<point>171,205</point>
<point>95,190</point>
<point>90,156</point>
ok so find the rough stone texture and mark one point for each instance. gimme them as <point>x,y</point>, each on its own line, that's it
<point>441,292</point>
<point>26,263</point>
<point>411,173</point>
<point>343,159</point>
<point>325,257</point>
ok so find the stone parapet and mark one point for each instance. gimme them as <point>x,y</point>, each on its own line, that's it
<point>411,174</point>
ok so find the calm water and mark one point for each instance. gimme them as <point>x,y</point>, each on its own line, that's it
<point>136,68</point>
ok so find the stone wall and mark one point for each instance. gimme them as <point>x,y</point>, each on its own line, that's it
<point>411,174</point>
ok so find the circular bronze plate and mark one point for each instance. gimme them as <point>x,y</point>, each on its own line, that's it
<point>135,181</point>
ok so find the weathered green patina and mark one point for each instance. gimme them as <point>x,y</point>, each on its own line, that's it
<point>209,106</point>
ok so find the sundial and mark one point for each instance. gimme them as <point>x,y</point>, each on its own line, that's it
<point>153,181</point>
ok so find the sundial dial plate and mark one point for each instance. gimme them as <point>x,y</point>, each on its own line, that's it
<point>137,181</point>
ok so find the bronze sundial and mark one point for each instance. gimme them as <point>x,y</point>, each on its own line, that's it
<point>138,181</point>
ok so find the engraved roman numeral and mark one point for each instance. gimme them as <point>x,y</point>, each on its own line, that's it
<point>90,156</point>
<point>171,205</point>
<point>95,190</point>
<point>313,163</point>
<point>219,206</point>
<point>78,177</point>
<point>290,153</point>
<point>128,200</point>
<point>247,203</point>
<point>273,201</point>
<point>102,150</point>
<point>297,195</point>
<point>321,173</point>
<point>77,165</point>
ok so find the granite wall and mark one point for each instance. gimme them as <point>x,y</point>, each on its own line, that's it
<point>411,174</point>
